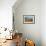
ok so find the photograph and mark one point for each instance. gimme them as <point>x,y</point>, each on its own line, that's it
<point>29,19</point>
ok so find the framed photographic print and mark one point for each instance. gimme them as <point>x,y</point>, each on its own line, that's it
<point>29,19</point>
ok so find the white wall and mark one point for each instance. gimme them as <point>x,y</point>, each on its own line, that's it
<point>6,13</point>
<point>25,8</point>
<point>31,31</point>
<point>43,22</point>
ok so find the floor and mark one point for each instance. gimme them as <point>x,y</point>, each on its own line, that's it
<point>12,42</point>
<point>9,43</point>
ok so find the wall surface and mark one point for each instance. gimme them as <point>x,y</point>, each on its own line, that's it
<point>43,22</point>
<point>30,31</point>
<point>6,13</point>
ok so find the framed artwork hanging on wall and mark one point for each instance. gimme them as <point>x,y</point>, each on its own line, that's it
<point>29,19</point>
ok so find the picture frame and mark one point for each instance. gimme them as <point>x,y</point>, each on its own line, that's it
<point>28,19</point>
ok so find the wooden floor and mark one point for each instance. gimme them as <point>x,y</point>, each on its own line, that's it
<point>13,42</point>
<point>9,43</point>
